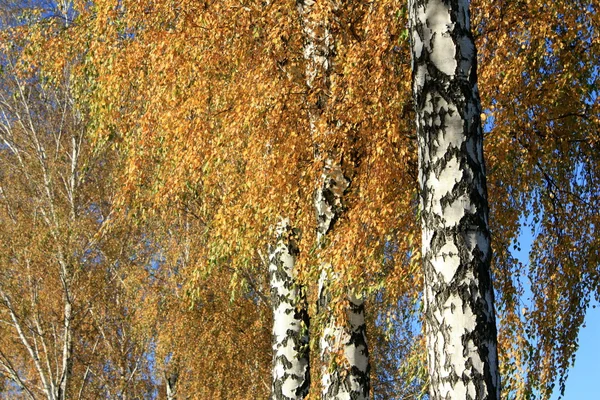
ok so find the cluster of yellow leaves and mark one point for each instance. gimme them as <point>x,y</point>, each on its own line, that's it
<point>538,79</point>
<point>219,115</point>
<point>208,104</point>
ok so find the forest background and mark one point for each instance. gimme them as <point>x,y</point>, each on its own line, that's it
<point>149,148</point>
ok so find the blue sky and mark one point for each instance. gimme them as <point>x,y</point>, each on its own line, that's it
<point>582,383</point>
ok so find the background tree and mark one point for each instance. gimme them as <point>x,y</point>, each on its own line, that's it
<point>537,78</point>
<point>59,284</point>
<point>215,155</point>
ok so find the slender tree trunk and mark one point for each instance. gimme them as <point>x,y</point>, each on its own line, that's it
<point>291,370</point>
<point>459,299</point>
<point>171,379</point>
<point>67,359</point>
<point>351,380</point>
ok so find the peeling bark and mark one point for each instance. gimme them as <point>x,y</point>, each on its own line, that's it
<point>459,299</point>
<point>291,370</point>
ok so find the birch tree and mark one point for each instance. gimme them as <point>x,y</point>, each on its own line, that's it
<point>350,379</point>
<point>59,291</point>
<point>33,141</point>
<point>232,126</point>
<point>210,99</point>
<point>291,368</point>
<point>459,299</point>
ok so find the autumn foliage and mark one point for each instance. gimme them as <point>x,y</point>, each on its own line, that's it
<point>147,150</point>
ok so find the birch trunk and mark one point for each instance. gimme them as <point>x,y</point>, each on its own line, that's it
<point>291,370</point>
<point>349,380</point>
<point>171,379</point>
<point>459,299</point>
<point>352,382</point>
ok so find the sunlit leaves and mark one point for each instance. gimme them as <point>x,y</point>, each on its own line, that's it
<point>204,104</point>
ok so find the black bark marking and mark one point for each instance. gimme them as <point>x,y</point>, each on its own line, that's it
<point>298,337</point>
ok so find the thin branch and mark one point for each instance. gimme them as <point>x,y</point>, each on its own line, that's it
<point>13,375</point>
<point>27,344</point>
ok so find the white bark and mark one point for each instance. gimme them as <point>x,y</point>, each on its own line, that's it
<point>350,380</point>
<point>291,370</point>
<point>171,385</point>
<point>460,319</point>
<point>354,382</point>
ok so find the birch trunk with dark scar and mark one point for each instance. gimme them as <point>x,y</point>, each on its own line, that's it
<point>171,379</point>
<point>459,299</point>
<point>291,370</point>
<point>353,382</point>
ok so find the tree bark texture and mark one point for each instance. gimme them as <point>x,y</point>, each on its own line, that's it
<point>350,380</point>
<point>291,371</point>
<point>353,382</point>
<point>459,299</point>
